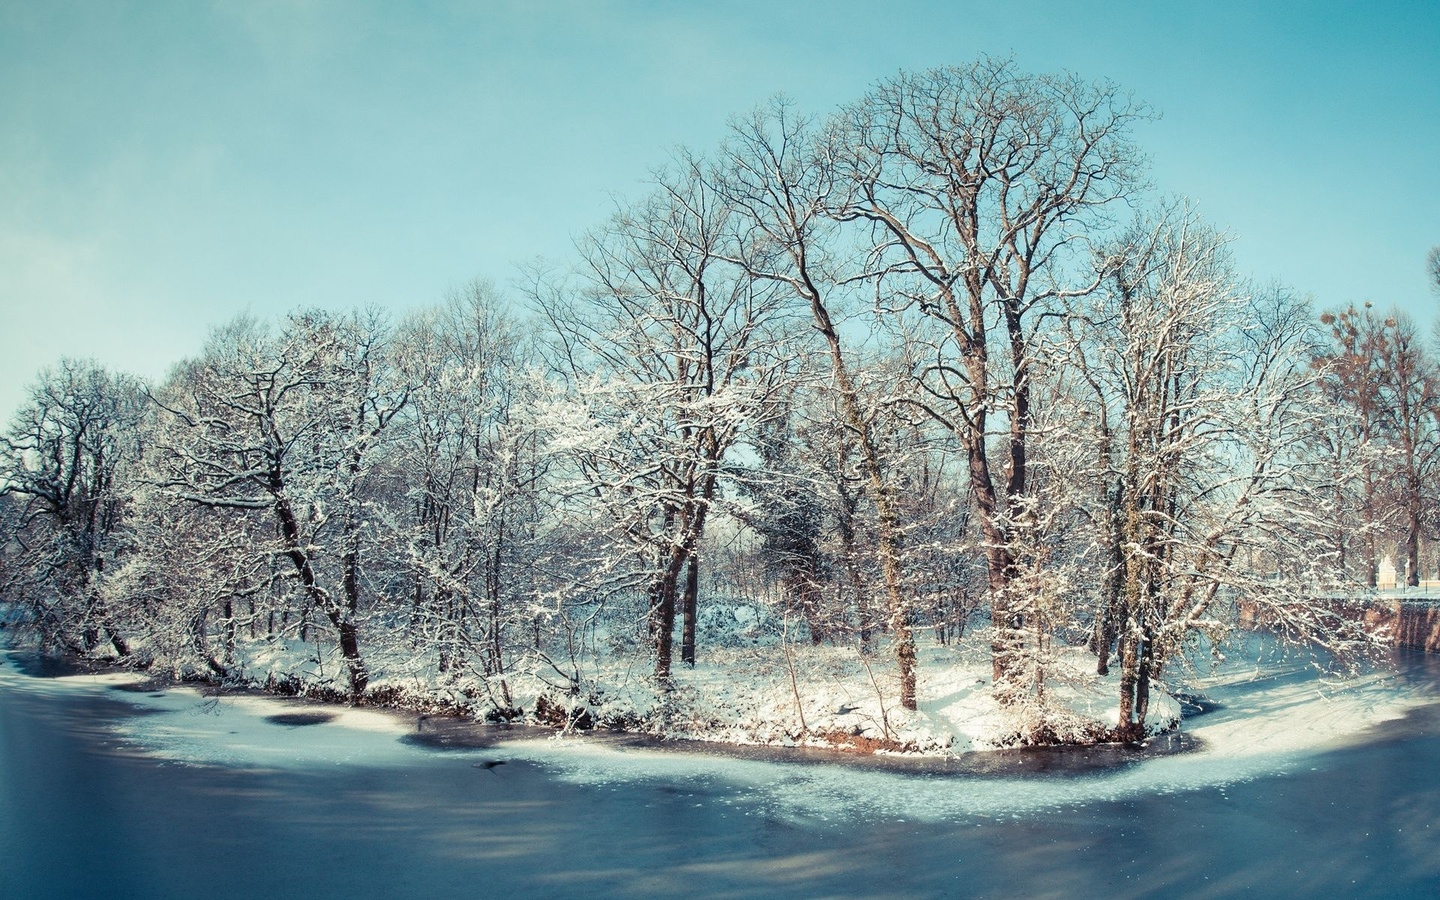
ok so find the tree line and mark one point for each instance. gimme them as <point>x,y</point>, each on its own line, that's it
<point>937,360</point>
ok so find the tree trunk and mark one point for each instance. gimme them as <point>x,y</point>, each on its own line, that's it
<point>1007,623</point>
<point>880,494</point>
<point>905,654</point>
<point>349,637</point>
<point>228,611</point>
<point>495,632</point>
<point>846,529</point>
<point>690,608</point>
<point>662,615</point>
<point>1108,619</point>
<point>1372,553</point>
<point>349,631</point>
<point>1142,681</point>
<point>117,640</point>
<point>1412,537</point>
<point>663,618</point>
<point>350,649</point>
<point>1129,675</point>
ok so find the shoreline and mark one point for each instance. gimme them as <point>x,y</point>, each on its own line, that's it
<point>441,732</point>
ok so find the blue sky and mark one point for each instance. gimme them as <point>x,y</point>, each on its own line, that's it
<point>168,164</point>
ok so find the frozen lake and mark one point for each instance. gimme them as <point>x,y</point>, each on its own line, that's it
<point>1300,790</point>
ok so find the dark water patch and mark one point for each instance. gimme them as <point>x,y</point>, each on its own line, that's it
<point>297,719</point>
<point>461,734</point>
<point>40,665</point>
<point>1076,760</point>
<point>43,665</point>
<point>1195,705</point>
<point>453,733</point>
<point>150,687</point>
<point>1417,669</point>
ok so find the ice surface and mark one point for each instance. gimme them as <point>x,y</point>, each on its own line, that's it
<point>186,726</point>
<point>1269,724</point>
<point>1284,734</point>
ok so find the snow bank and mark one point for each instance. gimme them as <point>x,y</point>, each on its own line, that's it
<point>244,732</point>
<point>183,725</point>
<point>1279,729</point>
<point>825,696</point>
<point>1274,717</point>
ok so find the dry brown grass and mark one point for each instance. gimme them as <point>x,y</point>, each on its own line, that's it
<point>849,742</point>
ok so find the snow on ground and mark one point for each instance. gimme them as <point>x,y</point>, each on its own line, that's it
<point>827,696</point>
<point>1275,716</point>
<point>762,693</point>
<point>1274,726</point>
<point>184,725</point>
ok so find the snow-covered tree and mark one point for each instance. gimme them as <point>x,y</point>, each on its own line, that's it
<point>288,421</point>
<point>783,182</point>
<point>68,465</point>
<point>467,505</point>
<point>670,355</point>
<point>1199,401</point>
<point>982,186</point>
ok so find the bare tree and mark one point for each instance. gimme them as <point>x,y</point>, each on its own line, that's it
<point>1353,367</point>
<point>783,185</point>
<point>70,461</point>
<point>1350,376</point>
<point>664,335</point>
<point>289,424</point>
<point>1202,405</point>
<point>1380,371</point>
<point>983,186</point>
<point>468,475</point>
<point>1410,402</point>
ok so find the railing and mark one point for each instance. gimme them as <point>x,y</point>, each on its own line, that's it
<point>1425,593</point>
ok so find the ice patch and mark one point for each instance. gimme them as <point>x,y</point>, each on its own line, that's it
<point>1294,712</point>
<point>239,731</point>
<point>185,726</point>
<point>1267,725</point>
<point>1266,728</point>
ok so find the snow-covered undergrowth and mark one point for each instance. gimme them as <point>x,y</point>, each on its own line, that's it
<point>759,692</point>
<point>826,696</point>
<point>771,693</point>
